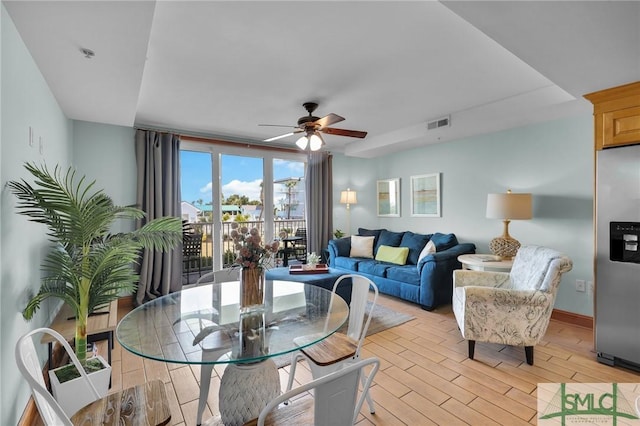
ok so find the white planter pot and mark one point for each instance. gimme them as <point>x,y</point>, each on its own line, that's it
<point>75,394</point>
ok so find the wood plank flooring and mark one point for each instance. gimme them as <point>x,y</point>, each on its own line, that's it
<point>425,376</point>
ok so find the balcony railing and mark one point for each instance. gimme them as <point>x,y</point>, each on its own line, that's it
<point>290,226</point>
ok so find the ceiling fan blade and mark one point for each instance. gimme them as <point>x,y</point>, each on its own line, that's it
<point>275,138</point>
<point>344,132</point>
<point>328,120</point>
<point>278,125</point>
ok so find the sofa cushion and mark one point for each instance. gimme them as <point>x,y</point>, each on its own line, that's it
<point>427,250</point>
<point>361,246</point>
<point>349,263</point>
<point>444,241</point>
<point>389,238</point>
<point>373,267</point>
<point>371,233</point>
<point>416,243</point>
<point>406,274</point>
<point>397,255</point>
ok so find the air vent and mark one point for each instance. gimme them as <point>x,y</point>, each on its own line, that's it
<point>440,122</point>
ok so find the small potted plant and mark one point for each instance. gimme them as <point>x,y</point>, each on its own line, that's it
<point>312,261</point>
<point>88,266</point>
<point>338,233</point>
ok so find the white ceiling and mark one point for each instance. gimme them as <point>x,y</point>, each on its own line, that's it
<point>220,68</point>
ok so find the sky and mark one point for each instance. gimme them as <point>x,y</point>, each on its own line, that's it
<point>240,175</point>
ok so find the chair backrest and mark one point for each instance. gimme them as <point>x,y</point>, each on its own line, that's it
<point>302,232</point>
<point>334,395</point>
<point>359,306</point>
<point>191,245</point>
<point>221,276</point>
<point>538,268</point>
<point>29,366</point>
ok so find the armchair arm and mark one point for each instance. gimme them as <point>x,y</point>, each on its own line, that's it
<point>340,247</point>
<point>464,277</point>
<point>506,299</point>
<point>436,272</point>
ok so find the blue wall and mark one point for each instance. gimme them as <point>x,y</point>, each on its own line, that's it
<point>552,160</point>
<point>26,102</point>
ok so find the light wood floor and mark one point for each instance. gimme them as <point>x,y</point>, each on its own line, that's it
<point>425,376</point>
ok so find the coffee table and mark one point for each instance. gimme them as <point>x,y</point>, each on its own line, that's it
<point>325,280</point>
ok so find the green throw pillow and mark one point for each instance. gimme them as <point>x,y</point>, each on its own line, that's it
<point>397,255</point>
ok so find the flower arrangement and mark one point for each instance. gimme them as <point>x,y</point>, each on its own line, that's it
<point>251,252</point>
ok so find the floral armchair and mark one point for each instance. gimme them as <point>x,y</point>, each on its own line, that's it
<point>509,308</point>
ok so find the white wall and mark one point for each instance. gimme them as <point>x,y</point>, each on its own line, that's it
<point>552,160</point>
<point>26,102</point>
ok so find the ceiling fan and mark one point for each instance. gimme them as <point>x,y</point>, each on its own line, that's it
<point>312,126</point>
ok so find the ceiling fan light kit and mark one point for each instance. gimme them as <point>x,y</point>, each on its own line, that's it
<point>312,127</point>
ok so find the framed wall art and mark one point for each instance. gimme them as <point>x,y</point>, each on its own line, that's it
<point>425,195</point>
<point>388,197</point>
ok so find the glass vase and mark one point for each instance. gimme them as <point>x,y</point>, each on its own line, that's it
<point>252,283</point>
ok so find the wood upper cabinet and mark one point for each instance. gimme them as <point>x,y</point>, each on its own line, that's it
<point>616,114</point>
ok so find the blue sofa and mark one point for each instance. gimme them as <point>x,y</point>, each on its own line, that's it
<point>427,281</point>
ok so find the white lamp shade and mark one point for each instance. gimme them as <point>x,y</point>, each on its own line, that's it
<point>302,142</point>
<point>315,142</point>
<point>348,197</point>
<point>509,206</point>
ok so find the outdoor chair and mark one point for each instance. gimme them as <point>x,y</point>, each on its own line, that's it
<point>146,403</point>
<point>300,247</point>
<point>191,253</point>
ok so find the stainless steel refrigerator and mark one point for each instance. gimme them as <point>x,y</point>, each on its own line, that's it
<point>617,296</point>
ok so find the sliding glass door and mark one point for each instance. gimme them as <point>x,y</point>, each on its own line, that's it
<point>222,184</point>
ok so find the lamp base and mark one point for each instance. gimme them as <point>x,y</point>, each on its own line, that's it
<point>505,248</point>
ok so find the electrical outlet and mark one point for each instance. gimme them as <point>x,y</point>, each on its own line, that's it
<point>580,286</point>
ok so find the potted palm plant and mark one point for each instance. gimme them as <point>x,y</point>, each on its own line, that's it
<point>88,266</point>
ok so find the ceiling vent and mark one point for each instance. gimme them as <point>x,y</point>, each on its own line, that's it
<point>440,122</point>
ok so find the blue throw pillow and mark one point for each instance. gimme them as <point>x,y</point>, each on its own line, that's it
<point>416,243</point>
<point>444,241</point>
<point>389,238</point>
<point>371,232</point>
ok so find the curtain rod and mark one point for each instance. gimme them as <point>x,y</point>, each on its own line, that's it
<point>218,141</point>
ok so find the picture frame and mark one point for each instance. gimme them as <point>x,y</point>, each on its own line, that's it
<point>425,195</point>
<point>388,197</point>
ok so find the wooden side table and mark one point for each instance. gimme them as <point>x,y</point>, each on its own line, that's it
<point>485,262</point>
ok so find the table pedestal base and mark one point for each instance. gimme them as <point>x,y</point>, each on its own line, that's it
<point>245,389</point>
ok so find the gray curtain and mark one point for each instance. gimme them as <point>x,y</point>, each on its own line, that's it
<point>158,161</point>
<point>319,192</point>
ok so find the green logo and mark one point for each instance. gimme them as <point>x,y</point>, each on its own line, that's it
<point>585,403</point>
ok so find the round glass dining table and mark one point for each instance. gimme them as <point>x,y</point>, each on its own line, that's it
<point>205,325</point>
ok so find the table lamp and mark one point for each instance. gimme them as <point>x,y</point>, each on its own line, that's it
<point>348,197</point>
<point>507,207</point>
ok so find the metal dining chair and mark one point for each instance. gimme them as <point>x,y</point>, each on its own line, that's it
<point>335,399</point>
<point>340,350</point>
<point>147,403</point>
<point>220,276</point>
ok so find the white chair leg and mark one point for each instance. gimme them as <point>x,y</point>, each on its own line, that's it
<point>205,381</point>
<point>292,371</point>
<point>372,408</point>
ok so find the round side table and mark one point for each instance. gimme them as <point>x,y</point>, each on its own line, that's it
<point>485,262</point>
